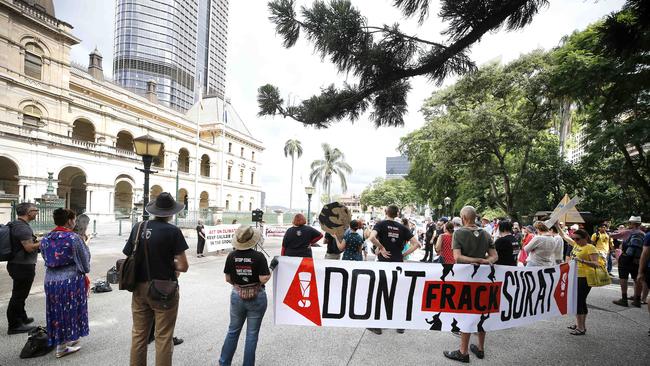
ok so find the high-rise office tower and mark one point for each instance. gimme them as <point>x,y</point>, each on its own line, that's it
<point>179,44</point>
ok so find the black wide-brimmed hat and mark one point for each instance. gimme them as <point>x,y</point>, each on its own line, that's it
<point>164,206</point>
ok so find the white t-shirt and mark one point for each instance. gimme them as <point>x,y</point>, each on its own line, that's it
<point>541,251</point>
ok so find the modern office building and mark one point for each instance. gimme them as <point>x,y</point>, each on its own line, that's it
<point>68,132</point>
<point>397,167</point>
<point>181,45</point>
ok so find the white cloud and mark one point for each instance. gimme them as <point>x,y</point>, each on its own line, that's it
<point>256,57</point>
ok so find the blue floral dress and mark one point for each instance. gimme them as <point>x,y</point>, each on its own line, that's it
<point>67,260</point>
<point>353,244</point>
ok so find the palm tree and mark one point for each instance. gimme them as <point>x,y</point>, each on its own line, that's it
<point>333,164</point>
<point>293,148</point>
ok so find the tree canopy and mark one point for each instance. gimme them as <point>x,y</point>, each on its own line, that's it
<point>382,59</point>
<point>384,192</point>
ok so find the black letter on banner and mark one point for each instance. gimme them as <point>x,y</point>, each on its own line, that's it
<point>447,295</point>
<point>353,292</point>
<point>430,296</point>
<point>530,283</point>
<point>389,297</point>
<point>465,300</point>
<point>541,295</point>
<point>477,299</point>
<point>550,272</point>
<point>508,277</point>
<point>520,293</point>
<point>414,279</point>
<point>344,292</point>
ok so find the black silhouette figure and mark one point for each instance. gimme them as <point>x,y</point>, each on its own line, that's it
<point>476,267</point>
<point>479,327</point>
<point>436,323</point>
<point>491,276</point>
<point>399,269</point>
<point>454,326</point>
<point>446,268</point>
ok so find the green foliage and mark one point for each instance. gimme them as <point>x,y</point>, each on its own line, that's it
<point>382,192</point>
<point>324,170</point>
<point>382,59</point>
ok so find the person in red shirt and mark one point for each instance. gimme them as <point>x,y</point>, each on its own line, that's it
<point>443,245</point>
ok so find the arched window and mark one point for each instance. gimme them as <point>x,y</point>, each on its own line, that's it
<point>32,116</point>
<point>205,165</point>
<point>124,141</point>
<point>83,130</point>
<point>33,60</point>
<point>184,160</point>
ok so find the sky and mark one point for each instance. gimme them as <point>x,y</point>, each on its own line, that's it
<point>256,57</point>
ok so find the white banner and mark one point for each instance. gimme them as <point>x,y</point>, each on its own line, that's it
<point>219,237</point>
<point>276,231</point>
<point>415,295</point>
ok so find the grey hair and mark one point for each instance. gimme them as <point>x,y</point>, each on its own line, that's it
<point>468,213</point>
<point>23,208</point>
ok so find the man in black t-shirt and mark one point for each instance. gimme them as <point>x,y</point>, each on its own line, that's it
<point>389,236</point>
<point>200,235</point>
<point>165,248</point>
<point>507,245</point>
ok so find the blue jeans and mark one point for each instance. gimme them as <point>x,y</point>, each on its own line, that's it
<point>609,262</point>
<point>251,311</point>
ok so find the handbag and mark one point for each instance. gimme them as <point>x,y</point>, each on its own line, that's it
<point>598,278</point>
<point>126,267</point>
<point>36,345</point>
<point>248,292</point>
<point>161,293</point>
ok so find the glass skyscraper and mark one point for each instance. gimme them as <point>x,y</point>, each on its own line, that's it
<point>179,44</point>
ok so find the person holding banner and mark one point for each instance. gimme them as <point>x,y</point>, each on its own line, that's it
<point>472,245</point>
<point>586,255</point>
<point>299,238</point>
<point>247,271</point>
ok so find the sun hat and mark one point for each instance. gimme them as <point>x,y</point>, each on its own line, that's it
<point>164,206</point>
<point>634,219</point>
<point>246,237</point>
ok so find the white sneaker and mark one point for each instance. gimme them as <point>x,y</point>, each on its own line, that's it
<point>73,343</point>
<point>66,351</point>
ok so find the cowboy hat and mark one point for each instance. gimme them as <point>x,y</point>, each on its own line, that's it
<point>634,219</point>
<point>164,206</point>
<point>246,237</point>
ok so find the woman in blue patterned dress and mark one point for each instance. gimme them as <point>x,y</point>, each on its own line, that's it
<point>352,243</point>
<point>67,261</point>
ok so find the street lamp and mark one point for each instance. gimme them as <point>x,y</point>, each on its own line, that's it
<point>447,202</point>
<point>146,147</point>
<point>439,211</point>
<point>310,191</point>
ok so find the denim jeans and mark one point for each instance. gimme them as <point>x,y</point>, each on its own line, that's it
<point>251,311</point>
<point>609,262</point>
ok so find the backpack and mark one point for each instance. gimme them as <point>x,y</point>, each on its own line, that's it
<point>36,345</point>
<point>7,251</point>
<point>634,245</point>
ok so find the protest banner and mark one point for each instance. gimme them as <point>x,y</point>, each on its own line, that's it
<point>334,219</point>
<point>276,231</point>
<point>565,212</point>
<point>219,237</point>
<point>411,295</point>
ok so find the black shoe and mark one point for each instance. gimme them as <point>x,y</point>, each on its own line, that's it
<point>19,329</point>
<point>475,350</point>
<point>177,341</point>
<point>400,331</point>
<point>28,320</point>
<point>456,356</point>
<point>456,333</point>
<point>636,303</point>
<point>375,330</point>
<point>621,302</point>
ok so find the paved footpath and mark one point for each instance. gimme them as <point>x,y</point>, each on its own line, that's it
<point>616,336</point>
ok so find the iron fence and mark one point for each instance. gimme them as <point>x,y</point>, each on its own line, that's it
<point>44,221</point>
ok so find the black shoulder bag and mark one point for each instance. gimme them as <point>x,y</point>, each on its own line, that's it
<point>161,292</point>
<point>126,267</point>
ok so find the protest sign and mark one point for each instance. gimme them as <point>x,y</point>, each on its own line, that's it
<point>334,219</point>
<point>275,231</point>
<point>413,295</point>
<point>219,237</point>
<point>565,212</point>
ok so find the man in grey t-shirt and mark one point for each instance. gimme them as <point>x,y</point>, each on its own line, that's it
<point>22,268</point>
<point>471,245</point>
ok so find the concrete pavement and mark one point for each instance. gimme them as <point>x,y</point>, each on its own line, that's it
<point>616,336</point>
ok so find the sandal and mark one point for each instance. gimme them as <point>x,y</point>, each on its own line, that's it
<point>578,332</point>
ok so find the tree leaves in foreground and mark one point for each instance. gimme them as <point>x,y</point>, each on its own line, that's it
<point>382,59</point>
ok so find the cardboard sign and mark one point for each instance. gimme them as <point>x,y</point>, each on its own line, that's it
<point>219,237</point>
<point>335,218</point>
<point>565,212</point>
<point>414,295</point>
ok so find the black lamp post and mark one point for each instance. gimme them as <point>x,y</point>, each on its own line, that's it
<point>310,191</point>
<point>447,202</point>
<point>439,211</point>
<point>146,147</point>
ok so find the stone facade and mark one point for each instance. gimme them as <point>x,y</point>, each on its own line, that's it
<point>55,117</point>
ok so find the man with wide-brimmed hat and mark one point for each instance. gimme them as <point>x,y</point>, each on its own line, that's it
<point>628,261</point>
<point>247,270</point>
<point>165,249</point>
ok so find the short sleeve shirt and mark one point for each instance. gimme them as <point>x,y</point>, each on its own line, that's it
<point>583,252</point>
<point>246,266</point>
<point>164,241</point>
<point>508,250</point>
<point>21,231</point>
<point>472,242</point>
<point>298,239</point>
<point>393,236</point>
<point>353,244</point>
<point>199,231</point>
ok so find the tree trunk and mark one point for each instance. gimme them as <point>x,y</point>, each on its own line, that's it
<point>291,186</point>
<point>644,185</point>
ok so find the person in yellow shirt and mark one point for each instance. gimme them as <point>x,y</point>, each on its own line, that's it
<point>587,257</point>
<point>603,244</point>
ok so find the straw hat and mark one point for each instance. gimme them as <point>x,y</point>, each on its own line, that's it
<point>635,219</point>
<point>246,237</point>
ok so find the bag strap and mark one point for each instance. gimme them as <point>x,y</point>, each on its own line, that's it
<point>137,240</point>
<point>146,251</point>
